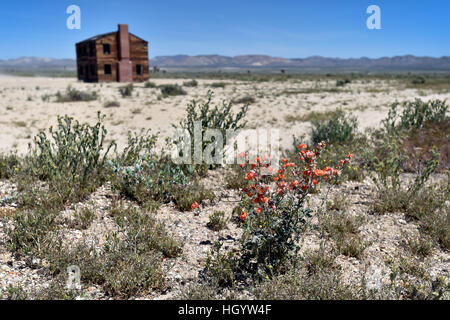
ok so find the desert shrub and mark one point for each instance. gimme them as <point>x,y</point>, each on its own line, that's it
<point>150,84</point>
<point>414,115</point>
<point>341,128</point>
<point>150,178</point>
<point>46,97</point>
<point>126,91</point>
<point>74,95</point>
<point>128,264</point>
<point>420,246</point>
<point>218,85</point>
<point>217,221</point>
<point>418,145</point>
<point>82,219</point>
<point>342,82</point>
<point>171,90</point>
<point>418,80</point>
<point>29,233</point>
<point>8,165</point>
<point>139,144</point>
<point>245,100</point>
<point>142,175</point>
<point>430,208</point>
<point>211,117</point>
<point>14,292</point>
<point>274,219</point>
<point>299,283</point>
<point>220,267</point>
<point>73,151</point>
<point>72,160</point>
<point>236,179</point>
<point>394,194</point>
<point>191,83</point>
<point>343,230</point>
<point>111,104</point>
<point>185,195</point>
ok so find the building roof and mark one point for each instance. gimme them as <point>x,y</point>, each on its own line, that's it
<point>94,38</point>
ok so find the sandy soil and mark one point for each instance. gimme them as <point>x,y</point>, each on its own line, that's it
<point>23,112</point>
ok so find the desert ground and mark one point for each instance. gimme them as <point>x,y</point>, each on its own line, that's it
<point>277,105</point>
<point>388,246</point>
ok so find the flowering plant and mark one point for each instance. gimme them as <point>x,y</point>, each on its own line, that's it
<point>272,207</point>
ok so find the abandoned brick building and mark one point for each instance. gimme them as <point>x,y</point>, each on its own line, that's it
<point>115,56</point>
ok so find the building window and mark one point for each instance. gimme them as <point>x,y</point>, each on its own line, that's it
<point>93,71</point>
<point>107,69</point>
<point>106,48</point>
<point>80,70</point>
<point>92,49</point>
<point>140,69</point>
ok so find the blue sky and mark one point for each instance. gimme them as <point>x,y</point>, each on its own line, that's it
<point>292,29</point>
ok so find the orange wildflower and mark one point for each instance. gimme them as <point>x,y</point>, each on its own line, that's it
<point>194,205</point>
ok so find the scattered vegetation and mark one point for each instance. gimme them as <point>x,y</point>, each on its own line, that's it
<point>191,83</point>
<point>217,221</point>
<point>74,95</point>
<point>172,90</point>
<point>126,91</point>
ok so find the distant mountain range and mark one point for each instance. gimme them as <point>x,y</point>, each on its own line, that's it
<point>407,62</point>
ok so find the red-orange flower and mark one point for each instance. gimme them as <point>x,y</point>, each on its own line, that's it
<point>319,172</point>
<point>250,175</point>
<point>302,146</point>
<point>194,206</point>
<point>258,210</point>
<point>243,215</point>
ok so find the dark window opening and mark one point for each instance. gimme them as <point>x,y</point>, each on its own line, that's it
<point>93,71</point>
<point>92,48</point>
<point>107,69</point>
<point>140,69</point>
<point>106,48</point>
<point>80,70</point>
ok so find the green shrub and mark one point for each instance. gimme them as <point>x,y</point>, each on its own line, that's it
<point>74,95</point>
<point>171,90</point>
<point>71,159</point>
<point>150,84</point>
<point>129,263</point>
<point>111,104</point>
<point>245,100</point>
<point>414,115</point>
<point>139,145</point>
<point>341,128</point>
<point>217,221</point>
<point>29,235</point>
<point>211,117</point>
<point>186,195</point>
<point>418,80</point>
<point>218,85</point>
<point>192,83</point>
<point>73,151</point>
<point>141,175</point>
<point>393,194</point>
<point>126,91</point>
<point>341,83</point>
<point>220,267</point>
<point>8,165</point>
